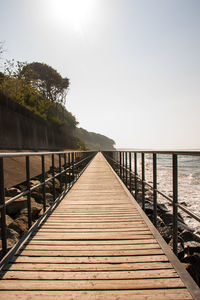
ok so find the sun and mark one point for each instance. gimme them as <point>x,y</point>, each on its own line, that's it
<point>73,13</point>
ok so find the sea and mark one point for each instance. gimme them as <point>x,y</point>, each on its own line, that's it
<point>188,182</point>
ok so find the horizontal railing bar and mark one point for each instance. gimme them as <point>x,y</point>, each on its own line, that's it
<point>178,152</point>
<point>21,154</point>
<point>196,217</point>
<point>8,202</point>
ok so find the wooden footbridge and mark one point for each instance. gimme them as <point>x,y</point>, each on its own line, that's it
<point>96,244</point>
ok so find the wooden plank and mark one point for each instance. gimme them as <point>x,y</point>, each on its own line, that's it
<point>91,247</point>
<point>100,259</point>
<point>89,266</point>
<point>60,253</point>
<point>100,275</point>
<point>93,225</point>
<point>70,230</point>
<point>93,236</point>
<point>91,284</point>
<point>95,245</point>
<point>93,242</point>
<point>164,294</point>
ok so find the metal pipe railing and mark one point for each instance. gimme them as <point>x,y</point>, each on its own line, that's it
<point>77,160</point>
<point>123,168</point>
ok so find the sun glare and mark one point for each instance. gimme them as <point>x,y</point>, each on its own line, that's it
<point>75,13</point>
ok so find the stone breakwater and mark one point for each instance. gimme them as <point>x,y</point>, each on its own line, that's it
<point>188,241</point>
<point>17,213</point>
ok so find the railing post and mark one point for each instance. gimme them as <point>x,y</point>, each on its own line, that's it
<point>29,193</point>
<point>175,202</point>
<point>123,165</point>
<point>3,209</point>
<point>155,189</point>
<point>143,179</point>
<point>135,172</point>
<point>126,167</point>
<point>65,162</point>
<point>130,170</point>
<point>69,168</point>
<point>53,176</point>
<point>44,185</point>
<point>60,177</point>
<point>120,164</point>
<point>73,166</point>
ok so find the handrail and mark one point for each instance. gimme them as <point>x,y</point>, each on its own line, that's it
<point>73,164</point>
<point>125,172</point>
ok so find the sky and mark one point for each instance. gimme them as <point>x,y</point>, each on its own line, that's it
<point>134,65</point>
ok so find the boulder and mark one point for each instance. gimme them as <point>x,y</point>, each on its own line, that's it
<point>35,209</point>
<point>37,196</point>
<point>12,192</point>
<point>20,225</point>
<point>16,206</point>
<point>8,220</point>
<point>12,238</point>
<point>188,236</point>
<point>35,182</point>
<point>49,199</point>
<point>193,266</point>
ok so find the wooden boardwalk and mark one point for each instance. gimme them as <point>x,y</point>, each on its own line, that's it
<point>97,244</point>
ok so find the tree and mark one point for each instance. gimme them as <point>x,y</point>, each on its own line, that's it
<point>47,81</point>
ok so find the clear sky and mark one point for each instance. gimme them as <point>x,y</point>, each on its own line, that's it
<point>134,65</point>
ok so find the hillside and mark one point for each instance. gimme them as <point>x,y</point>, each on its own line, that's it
<point>94,140</point>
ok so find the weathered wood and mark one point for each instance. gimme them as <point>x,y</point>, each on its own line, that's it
<point>100,275</point>
<point>95,245</point>
<point>91,247</point>
<point>89,267</point>
<point>163,294</point>
<point>91,284</point>
<point>63,253</point>
<point>91,259</point>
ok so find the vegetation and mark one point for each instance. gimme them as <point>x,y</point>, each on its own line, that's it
<point>94,140</point>
<point>42,90</point>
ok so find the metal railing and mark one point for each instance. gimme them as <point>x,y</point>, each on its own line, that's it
<point>70,165</point>
<point>126,164</point>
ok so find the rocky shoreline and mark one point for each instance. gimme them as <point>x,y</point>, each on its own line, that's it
<point>188,241</point>
<point>17,213</point>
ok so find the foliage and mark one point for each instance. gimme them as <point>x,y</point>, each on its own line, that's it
<point>95,141</point>
<point>14,85</point>
<point>42,90</point>
<point>46,80</point>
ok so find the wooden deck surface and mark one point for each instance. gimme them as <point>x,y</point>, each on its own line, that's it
<point>95,245</point>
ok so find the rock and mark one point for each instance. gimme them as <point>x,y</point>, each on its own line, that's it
<point>162,207</point>
<point>183,203</point>
<point>12,192</point>
<point>193,267</point>
<point>168,218</point>
<point>49,199</point>
<point>148,208</point>
<point>8,220</point>
<point>166,232</point>
<point>49,184</point>
<point>16,206</point>
<point>188,236</point>
<point>182,226</point>
<point>37,196</point>
<point>35,182</point>
<point>22,187</point>
<point>35,209</point>
<point>12,238</point>
<point>20,225</point>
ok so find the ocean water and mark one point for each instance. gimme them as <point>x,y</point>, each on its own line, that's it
<point>188,182</point>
